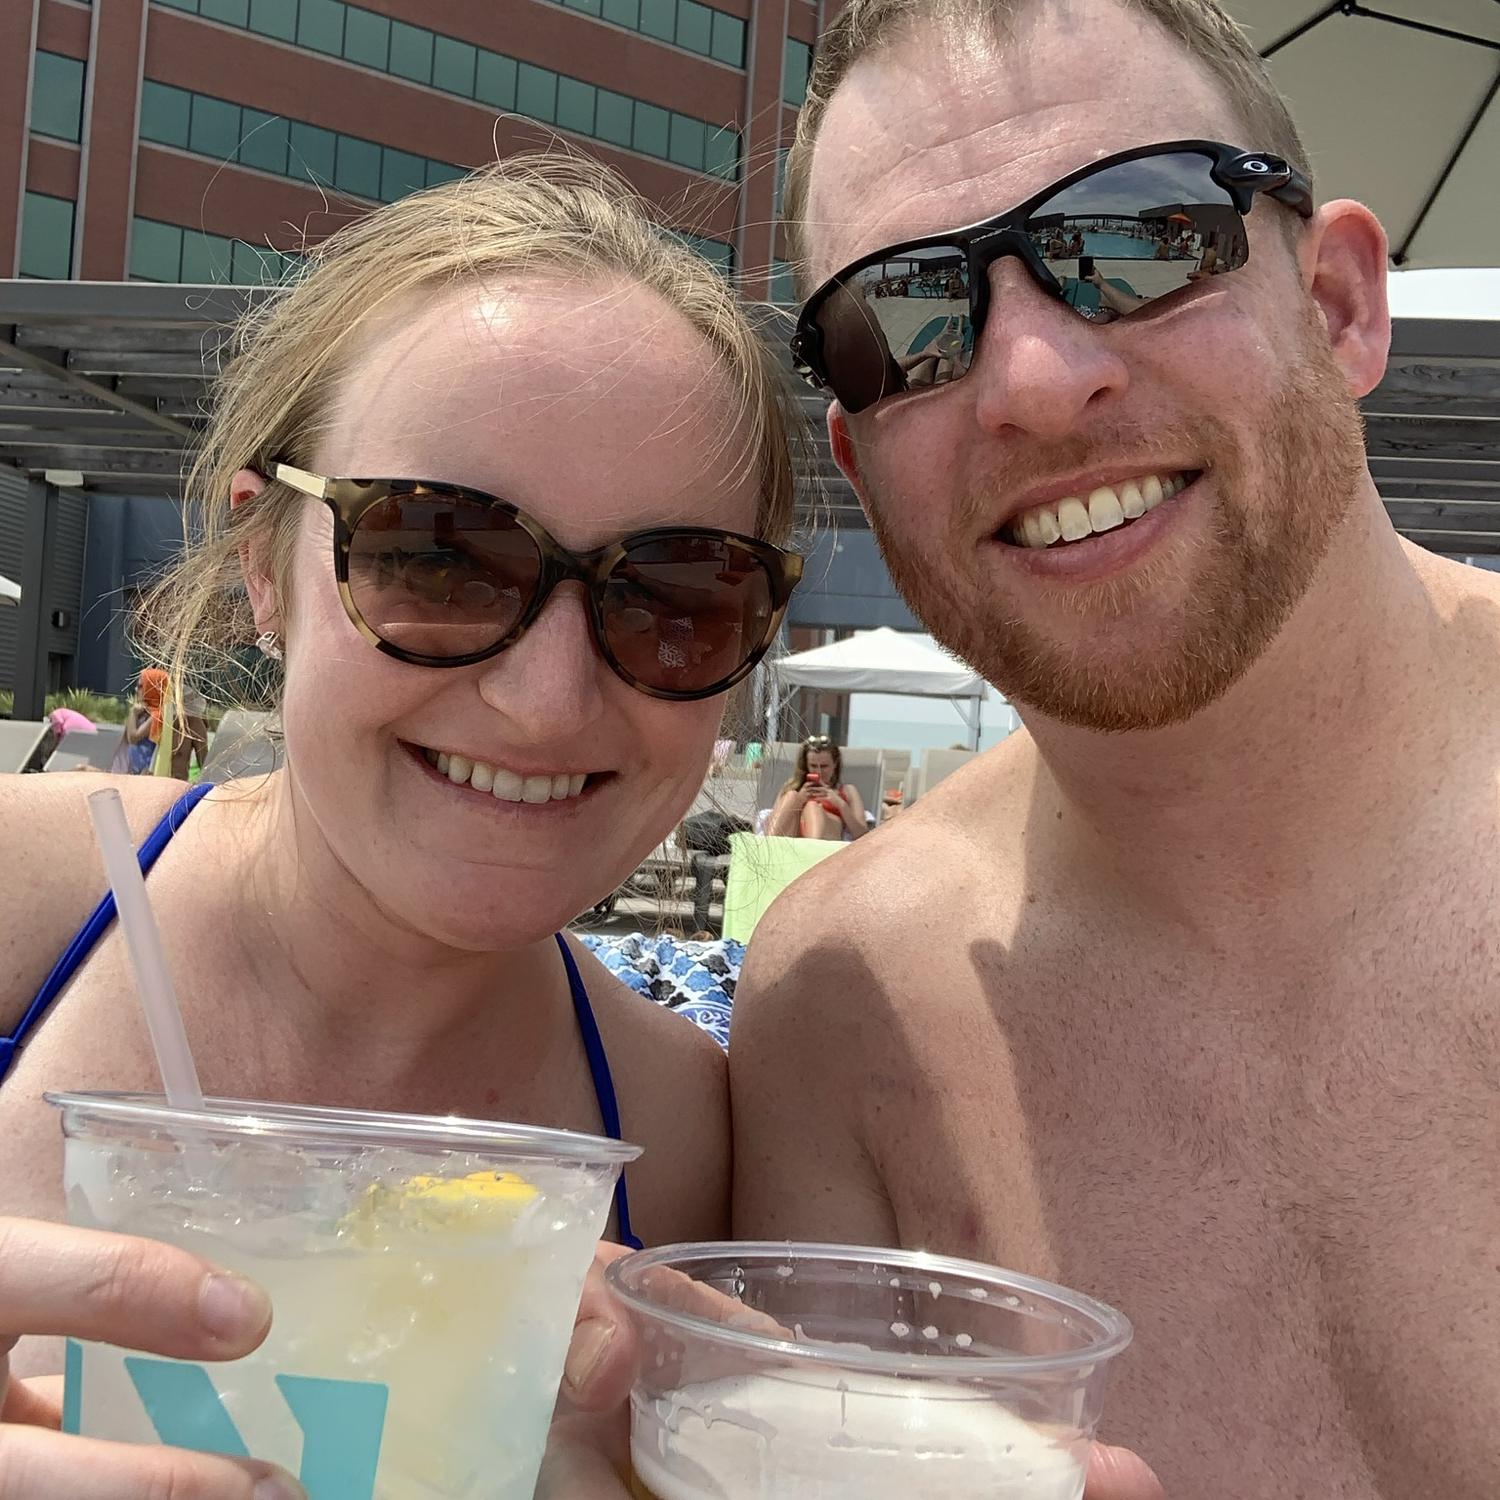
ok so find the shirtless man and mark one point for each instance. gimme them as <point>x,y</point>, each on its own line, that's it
<point>1209,1025</point>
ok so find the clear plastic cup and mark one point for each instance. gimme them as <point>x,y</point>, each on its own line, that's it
<point>424,1274</point>
<point>808,1372</point>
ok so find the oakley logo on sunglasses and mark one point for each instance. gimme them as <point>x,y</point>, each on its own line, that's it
<point>1108,240</point>
<point>439,575</point>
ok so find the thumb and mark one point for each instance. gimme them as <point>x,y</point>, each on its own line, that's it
<point>1119,1474</point>
<point>602,1356</point>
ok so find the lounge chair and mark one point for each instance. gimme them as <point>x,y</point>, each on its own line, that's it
<point>21,743</point>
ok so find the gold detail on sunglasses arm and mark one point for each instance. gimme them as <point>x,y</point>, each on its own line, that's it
<point>301,479</point>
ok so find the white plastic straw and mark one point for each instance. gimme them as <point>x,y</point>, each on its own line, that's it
<point>163,1017</point>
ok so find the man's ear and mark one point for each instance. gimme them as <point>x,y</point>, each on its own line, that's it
<point>255,559</point>
<point>842,446</point>
<point>1343,258</point>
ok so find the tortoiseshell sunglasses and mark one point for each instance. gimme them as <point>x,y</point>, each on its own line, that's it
<point>440,575</point>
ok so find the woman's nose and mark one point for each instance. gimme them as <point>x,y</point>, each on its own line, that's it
<point>549,684</point>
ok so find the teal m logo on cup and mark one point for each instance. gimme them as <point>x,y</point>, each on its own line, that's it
<point>342,1421</point>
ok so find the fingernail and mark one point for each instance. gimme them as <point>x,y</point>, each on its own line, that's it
<point>232,1307</point>
<point>278,1487</point>
<point>591,1341</point>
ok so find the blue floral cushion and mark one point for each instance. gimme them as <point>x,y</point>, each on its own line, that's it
<point>696,980</point>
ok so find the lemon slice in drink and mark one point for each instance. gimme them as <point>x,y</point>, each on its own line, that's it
<point>480,1202</point>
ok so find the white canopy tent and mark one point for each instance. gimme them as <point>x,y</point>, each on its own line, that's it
<point>880,661</point>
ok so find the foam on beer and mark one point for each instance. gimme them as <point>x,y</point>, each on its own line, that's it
<point>809,1433</point>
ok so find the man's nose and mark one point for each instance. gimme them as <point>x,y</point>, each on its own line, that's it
<point>548,686</point>
<point>1039,366</point>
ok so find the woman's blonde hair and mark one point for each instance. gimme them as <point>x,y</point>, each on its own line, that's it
<point>546,214</point>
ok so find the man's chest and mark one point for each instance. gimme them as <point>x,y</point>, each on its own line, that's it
<point>1290,1182</point>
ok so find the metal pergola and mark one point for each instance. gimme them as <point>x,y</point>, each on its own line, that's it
<point>105,384</point>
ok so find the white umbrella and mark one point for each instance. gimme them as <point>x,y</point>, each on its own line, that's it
<point>1400,108</point>
<point>10,593</point>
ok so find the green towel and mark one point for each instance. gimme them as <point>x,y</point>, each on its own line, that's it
<point>760,869</point>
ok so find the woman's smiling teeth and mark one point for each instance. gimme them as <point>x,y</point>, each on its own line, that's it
<point>505,785</point>
<point>1078,516</point>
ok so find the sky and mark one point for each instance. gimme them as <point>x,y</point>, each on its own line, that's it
<point>1445,294</point>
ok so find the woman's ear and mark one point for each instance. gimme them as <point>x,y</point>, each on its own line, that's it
<point>255,560</point>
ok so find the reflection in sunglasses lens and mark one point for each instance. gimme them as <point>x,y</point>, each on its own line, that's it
<point>685,613</point>
<point>1124,237</point>
<point>902,324</point>
<point>440,576</point>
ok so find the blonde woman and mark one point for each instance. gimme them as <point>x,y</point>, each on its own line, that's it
<point>500,483</point>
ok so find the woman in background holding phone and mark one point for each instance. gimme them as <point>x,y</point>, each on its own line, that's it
<point>814,803</point>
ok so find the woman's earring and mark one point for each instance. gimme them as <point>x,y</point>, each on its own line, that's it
<point>269,644</point>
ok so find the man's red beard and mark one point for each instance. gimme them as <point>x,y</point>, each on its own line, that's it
<point>1268,536</point>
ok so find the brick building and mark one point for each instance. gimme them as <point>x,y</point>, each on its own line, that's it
<point>191,140</point>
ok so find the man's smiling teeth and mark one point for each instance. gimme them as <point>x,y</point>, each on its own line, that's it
<point>505,785</point>
<point>1077,516</point>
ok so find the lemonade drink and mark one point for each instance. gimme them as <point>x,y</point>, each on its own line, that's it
<point>424,1275</point>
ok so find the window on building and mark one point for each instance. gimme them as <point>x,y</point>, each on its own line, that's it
<point>721,153</point>
<point>231,12</point>
<point>313,153</point>
<point>411,52</point>
<point>57,96</point>
<point>687,139</point>
<point>401,173</point>
<point>783,284</point>
<point>653,129</point>
<point>612,117</point>
<point>207,259</point>
<point>215,128</point>
<point>155,251</point>
<point>575,105</point>
<point>165,114</point>
<point>46,236</point>
<point>264,142</point>
<point>357,167</point>
<point>275,18</point>
<point>695,27</point>
<point>659,19</point>
<point>728,44</point>
<point>536,92</point>
<point>796,64</point>
<point>625,13</point>
<point>320,25</point>
<point>453,65</point>
<point>367,39</point>
<point>495,81</point>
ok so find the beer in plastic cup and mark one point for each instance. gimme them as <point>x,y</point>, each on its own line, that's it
<point>820,1372</point>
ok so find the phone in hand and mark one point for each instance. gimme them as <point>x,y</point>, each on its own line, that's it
<point>812,779</point>
<point>1085,267</point>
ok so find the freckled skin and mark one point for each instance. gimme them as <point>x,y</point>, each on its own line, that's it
<point>1199,1018</point>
